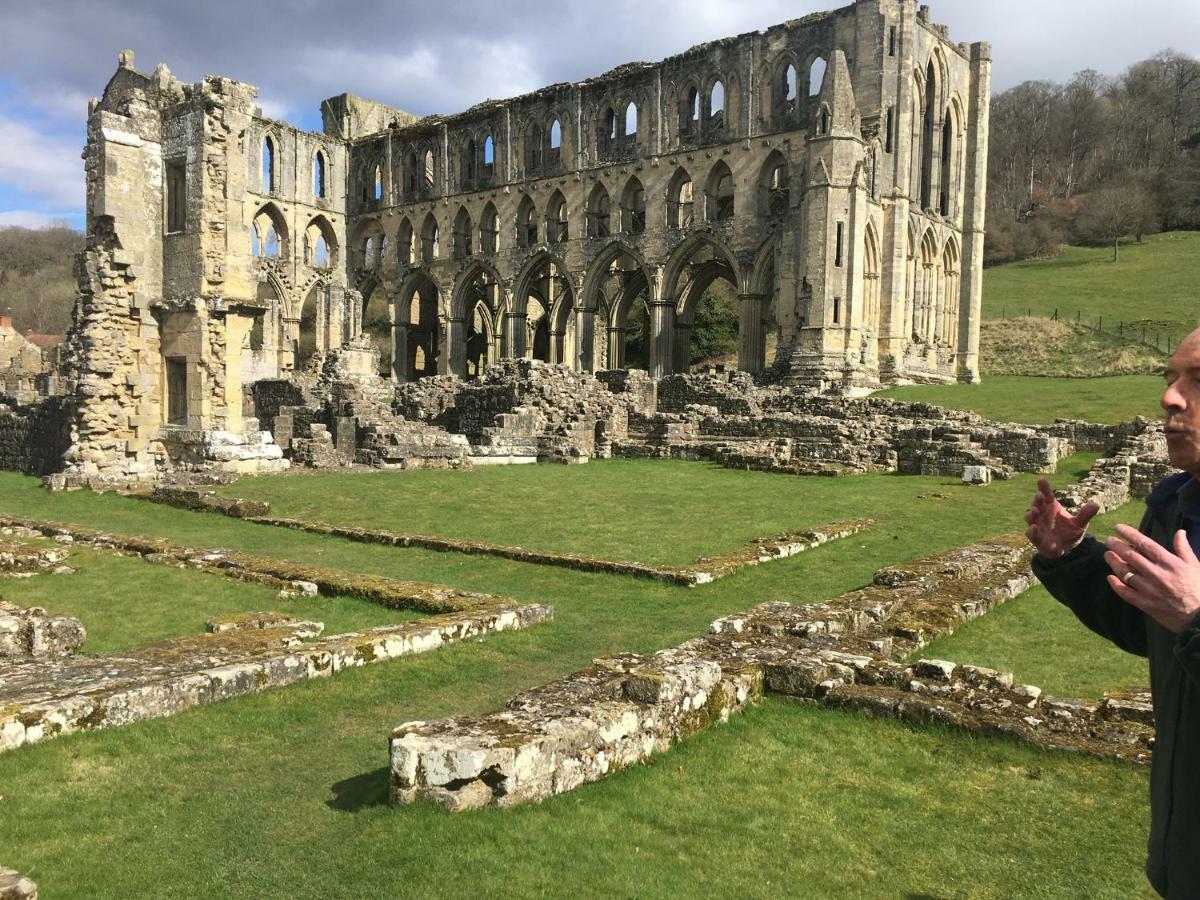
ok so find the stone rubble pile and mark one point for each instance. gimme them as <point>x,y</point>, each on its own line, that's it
<point>526,410</point>
<point>727,418</point>
<point>34,633</point>
<point>848,652</point>
<point>14,887</point>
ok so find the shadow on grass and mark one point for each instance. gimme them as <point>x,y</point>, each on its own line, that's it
<point>360,792</point>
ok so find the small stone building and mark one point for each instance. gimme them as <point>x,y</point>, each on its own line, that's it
<point>830,170</point>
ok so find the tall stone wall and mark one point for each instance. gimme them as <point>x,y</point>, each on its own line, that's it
<point>113,360</point>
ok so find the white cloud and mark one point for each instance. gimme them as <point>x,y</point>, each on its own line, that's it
<point>41,165</point>
<point>25,219</point>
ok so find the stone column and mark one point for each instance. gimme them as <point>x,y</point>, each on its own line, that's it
<point>456,336</point>
<point>974,205</point>
<point>236,329</point>
<point>514,335</point>
<point>752,347</point>
<point>683,346</point>
<point>616,348</point>
<point>401,371</point>
<point>662,328</point>
<point>585,340</point>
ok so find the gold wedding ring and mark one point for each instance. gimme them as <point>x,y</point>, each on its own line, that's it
<point>1127,577</point>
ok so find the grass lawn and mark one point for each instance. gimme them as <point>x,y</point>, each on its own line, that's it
<point>1032,400</point>
<point>282,794</point>
<point>1155,283</point>
<point>126,602</point>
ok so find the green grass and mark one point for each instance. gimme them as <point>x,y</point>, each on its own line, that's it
<point>126,602</point>
<point>1031,400</point>
<point>652,511</point>
<point>1154,282</point>
<point>282,794</point>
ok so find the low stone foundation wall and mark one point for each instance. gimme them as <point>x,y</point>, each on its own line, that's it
<point>283,574</point>
<point>41,699</point>
<point>843,652</point>
<point>14,887</point>
<point>704,570</point>
<point>1129,473</point>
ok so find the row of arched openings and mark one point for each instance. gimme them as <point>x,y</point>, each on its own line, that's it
<point>269,238</point>
<point>319,169</point>
<point>602,218</point>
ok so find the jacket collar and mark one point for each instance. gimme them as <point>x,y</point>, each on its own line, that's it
<point>1167,491</point>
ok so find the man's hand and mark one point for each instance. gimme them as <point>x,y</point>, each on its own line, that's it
<point>1163,585</point>
<point>1052,529</point>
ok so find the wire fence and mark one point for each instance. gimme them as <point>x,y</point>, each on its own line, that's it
<point>1143,333</point>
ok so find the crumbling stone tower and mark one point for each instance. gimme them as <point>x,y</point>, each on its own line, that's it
<point>829,169</point>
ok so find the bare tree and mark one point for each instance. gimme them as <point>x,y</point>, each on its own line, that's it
<point>1115,212</point>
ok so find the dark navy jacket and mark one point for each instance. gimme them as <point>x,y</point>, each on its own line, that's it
<point>1077,579</point>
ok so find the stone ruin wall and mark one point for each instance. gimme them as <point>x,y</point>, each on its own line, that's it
<point>440,232</point>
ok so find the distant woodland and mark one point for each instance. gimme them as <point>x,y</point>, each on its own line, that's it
<point>37,281</point>
<point>1094,160</point>
<point>1089,162</point>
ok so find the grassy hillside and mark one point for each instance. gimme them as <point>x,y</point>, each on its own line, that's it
<point>1033,345</point>
<point>1155,283</point>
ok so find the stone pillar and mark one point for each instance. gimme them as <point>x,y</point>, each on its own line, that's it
<point>514,335</point>
<point>401,370</point>
<point>974,205</point>
<point>456,336</point>
<point>616,348</point>
<point>683,346</point>
<point>752,347</point>
<point>662,329</point>
<point>236,329</point>
<point>585,340</point>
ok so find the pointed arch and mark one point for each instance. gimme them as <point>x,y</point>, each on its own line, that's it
<point>523,282</point>
<point>431,238</point>
<point>320,173</point>
<point>719,193</point>
<point>367,245</point>
<point>927,296</point>
<point>557,225</point>
<point>405,244</point>
<point>617,254</point>
<point>633,207</point>
<point>948,320</point>
<point>269,234</point>
<point>377,191</point>
<point>871,272</point>
<point>698,242</point>
<point>816,75</point>
<point>417,344</point>
<point>270,161</point>
<point>460,299</point>
<point>774,186</point>
<point>320,244</point>
<point>462,233</point>
<point>489,229</point>
<point>681,201</point>
<point>527,222</point>
<point>599,212</point>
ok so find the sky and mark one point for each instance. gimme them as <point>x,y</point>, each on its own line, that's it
<point>444,57</point>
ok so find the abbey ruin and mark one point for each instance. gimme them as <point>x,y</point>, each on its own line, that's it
<point>830,171</point>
